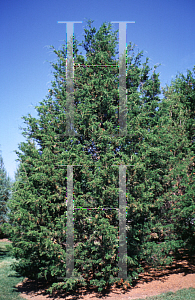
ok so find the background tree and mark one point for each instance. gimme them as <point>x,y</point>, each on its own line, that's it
<point>5,189</point>
<point>38,208</point>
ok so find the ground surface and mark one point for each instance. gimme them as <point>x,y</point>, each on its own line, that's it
<point>178,276</point>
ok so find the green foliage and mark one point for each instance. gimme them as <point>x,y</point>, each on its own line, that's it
<point>160,199</point>
<point>180,97</point>
<point>5,192</point>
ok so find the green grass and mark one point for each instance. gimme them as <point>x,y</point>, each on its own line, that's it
<point>8,277</point>
<point>184,294</point>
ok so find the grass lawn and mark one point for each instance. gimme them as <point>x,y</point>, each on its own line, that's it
<point>185,294</point>
<point>8,278</point>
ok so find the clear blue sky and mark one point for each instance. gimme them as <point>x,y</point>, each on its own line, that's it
<point>164,30</point>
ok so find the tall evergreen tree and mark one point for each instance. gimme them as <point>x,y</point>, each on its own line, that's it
<point>38,208</point>
<point>180,99</point>
<point>164,179</point>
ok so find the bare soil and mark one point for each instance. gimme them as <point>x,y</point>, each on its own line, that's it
<point>181,274</point>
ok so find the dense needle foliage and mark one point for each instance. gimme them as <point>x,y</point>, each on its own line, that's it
<point>159,146</point>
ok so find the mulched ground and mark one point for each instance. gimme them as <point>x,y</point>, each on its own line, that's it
<point>178,276</point>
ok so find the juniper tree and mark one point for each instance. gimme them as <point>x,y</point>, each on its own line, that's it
<point>164,180</point>
<point>179,98</point>
<point>38,208</point>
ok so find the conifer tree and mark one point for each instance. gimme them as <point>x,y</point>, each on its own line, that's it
<point>164,180</point>
<point>38,209</point>
<point>5,187</point>
<point>180,99</point>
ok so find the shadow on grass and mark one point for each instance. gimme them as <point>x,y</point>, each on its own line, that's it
<point>4,252</point>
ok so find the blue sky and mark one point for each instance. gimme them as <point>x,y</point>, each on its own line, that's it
<point>164,30</point>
